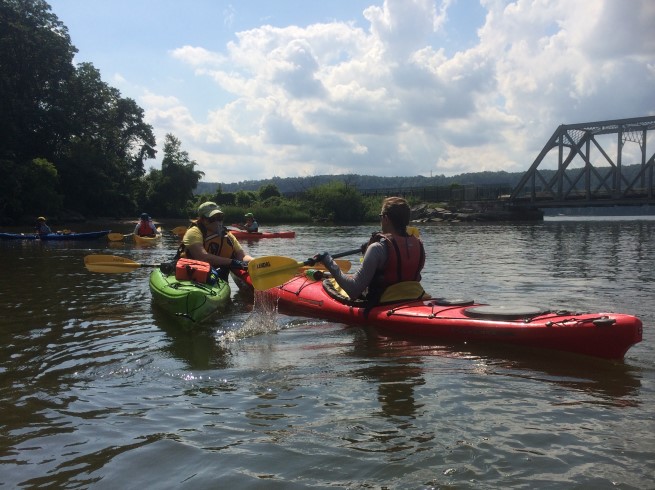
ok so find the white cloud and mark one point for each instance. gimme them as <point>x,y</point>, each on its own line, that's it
<point>334,98</point>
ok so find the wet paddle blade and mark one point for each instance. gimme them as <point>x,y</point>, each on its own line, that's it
<point>116,237</point>
<point>111,264</point>
<point>271,271</point>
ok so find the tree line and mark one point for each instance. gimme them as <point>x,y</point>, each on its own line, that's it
<point>70,143</point>
<point>72,147</point>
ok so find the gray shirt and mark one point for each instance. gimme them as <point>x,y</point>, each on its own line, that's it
<point>375,259</point>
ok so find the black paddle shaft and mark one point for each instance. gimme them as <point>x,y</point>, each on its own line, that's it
<point>335,256</point>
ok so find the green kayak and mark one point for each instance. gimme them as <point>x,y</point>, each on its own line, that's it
<point>190,301</point>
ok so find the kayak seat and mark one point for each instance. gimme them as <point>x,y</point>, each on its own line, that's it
<point>403,291</point>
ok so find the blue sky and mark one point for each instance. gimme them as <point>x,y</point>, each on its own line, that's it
<point>257,89</point>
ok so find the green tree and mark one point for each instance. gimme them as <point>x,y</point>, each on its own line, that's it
<point>93,139</point>
<point>170,190</point>
<point>35,66</point>
<point>103,162</point>
<point>245,199</point>
<point>41,192</point>
<point>336,202</point>
<point>268,190</point>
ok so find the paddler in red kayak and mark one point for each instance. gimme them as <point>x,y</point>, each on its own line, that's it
<point>393,260</point>
<point>209,241</point>
<point>251,226</point>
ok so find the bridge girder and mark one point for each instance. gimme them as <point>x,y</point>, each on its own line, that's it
<point>590,184</point>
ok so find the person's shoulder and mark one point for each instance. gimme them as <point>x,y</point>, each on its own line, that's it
<point>193,233</point>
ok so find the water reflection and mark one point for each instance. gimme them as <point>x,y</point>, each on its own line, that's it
<point>196,348</point>
<point>611,383</point>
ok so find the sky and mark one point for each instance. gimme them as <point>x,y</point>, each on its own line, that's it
<point>258,89</point>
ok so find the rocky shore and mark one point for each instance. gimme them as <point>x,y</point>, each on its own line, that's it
<point>426,213</point>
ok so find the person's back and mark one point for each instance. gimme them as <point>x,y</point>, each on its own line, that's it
<point>145,226</point>
<point>391,257</point>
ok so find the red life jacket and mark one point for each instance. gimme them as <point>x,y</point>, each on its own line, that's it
<point>145,229</point>
<point>405,260</point>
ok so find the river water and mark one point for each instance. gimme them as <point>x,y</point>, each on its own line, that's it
<point>98,389</point>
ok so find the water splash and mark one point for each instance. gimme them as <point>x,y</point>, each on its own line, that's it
<point>262,320</point>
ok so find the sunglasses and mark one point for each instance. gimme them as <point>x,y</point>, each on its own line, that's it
<point>215,218</point>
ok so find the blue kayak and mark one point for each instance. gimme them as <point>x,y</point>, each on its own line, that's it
<point>91,235</point>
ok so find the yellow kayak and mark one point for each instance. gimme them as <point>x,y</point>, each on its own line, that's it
<point>147,240</point>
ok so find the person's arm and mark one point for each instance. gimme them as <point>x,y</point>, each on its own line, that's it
<point>355,284</point>
<point>242,256</point>
<point>136,228</point>
<point>239,253</point>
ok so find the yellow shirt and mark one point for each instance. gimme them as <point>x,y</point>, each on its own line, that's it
<point>194,235</point>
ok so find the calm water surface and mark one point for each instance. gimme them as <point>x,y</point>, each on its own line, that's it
<point>100,390</point>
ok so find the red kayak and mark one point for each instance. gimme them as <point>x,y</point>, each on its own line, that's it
<point>604,335</point>
<point>247,235</point>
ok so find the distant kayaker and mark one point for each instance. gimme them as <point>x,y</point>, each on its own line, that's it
<point>208,240</point>
<point>393,260</point>
<point>251,226</point>
<point>41,227</point>
<point>145,226</point>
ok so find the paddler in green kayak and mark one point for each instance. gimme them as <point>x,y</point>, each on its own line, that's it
<point>209,241</point>
<point>393,260</point>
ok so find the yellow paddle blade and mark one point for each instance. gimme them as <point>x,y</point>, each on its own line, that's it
<point>179,230</point>
<point>413,231</point>
<point>116,237</point>
<point>110,264</point>
<point>270,271</point>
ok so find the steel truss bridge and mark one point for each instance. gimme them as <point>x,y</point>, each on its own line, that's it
<point>586,173</point>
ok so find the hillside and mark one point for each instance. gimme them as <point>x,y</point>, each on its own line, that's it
<point>292,185</point>
<point>363,182</point>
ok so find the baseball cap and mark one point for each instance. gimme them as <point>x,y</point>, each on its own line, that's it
<point>208,209</point>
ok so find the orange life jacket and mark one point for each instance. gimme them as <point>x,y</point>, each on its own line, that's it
<point>145,229</point>
<point>221,245</point>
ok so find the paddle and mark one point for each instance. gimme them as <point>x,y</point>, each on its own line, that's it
<point>268,272</point>
<point>413,231</point>
<point>344,265</point>
<point>112,264</point>
<point>179,231</point>
<point>117,237</point>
